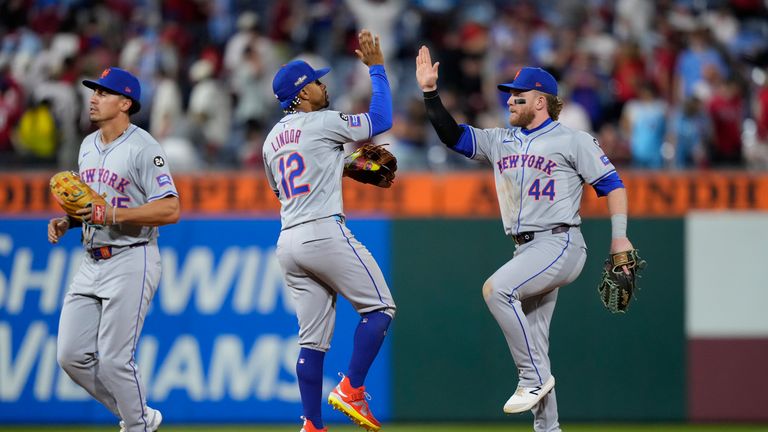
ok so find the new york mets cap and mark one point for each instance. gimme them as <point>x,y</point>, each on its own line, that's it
<point>532,78</point>
<point>291,78</point>
<point>118,81</point>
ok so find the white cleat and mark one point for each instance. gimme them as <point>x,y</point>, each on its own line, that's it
<point>154,416</point>
<point>526,398</point>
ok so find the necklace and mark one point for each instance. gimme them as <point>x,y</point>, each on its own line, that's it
<point>101,135</point>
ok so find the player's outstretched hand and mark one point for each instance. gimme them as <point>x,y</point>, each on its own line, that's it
<point>56,228</point>
<point>370,49</point>
<point>426,72</point>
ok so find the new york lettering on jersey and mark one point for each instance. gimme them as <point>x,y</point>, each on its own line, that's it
<point>128,172</point>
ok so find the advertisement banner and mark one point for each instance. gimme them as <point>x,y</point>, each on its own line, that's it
<point>219,343</point>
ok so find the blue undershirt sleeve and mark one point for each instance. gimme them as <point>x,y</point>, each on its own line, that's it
<point>608,183</point>
<point>380,109</point>
<point>466,143</point>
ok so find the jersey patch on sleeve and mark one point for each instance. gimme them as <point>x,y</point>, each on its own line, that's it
<point>344,117</point>
<point>163,179</point>
<point>159,161</point>
<point>605,160</point>
<point>354,121</point>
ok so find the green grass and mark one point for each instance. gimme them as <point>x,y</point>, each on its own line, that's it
<point>481,427</point>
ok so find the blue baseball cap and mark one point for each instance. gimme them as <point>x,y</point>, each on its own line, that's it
<point>532,78</point>
<point>118,81</point>
<point>291,78</point>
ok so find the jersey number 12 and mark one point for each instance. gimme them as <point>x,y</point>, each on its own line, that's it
<point>292,167</point>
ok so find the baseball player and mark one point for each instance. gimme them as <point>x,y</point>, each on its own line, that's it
<point>104,309</point>
<point>319,255</point>
<point>539,166</point>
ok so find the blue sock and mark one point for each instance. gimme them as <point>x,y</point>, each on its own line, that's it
<point>309,370</point>
<point>368,339</point>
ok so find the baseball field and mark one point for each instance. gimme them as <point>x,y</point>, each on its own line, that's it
<point>426,427</point>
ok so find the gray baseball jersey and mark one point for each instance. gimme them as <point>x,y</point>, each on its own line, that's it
<point>539,182</point>
<point>319,255</point>
<point>104,309</point>
<point>540,176</point>
<point>131,171</point>
<point>303,158</point>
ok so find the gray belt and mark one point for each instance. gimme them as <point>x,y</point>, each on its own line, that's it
<point>336,217</point>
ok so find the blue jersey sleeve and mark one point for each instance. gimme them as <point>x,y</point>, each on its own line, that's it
<point>466,143</point>
<point>607,183</point>
<point>380,110</point>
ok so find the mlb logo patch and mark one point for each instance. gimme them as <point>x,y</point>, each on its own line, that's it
<point>605,160</point>
<point>355,121</point>
<point>163,179</point>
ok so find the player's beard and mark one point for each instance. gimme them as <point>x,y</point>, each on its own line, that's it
<point>524,118</point>
<point>327,102</point>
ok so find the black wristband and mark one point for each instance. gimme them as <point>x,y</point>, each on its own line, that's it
<point>431,94</point>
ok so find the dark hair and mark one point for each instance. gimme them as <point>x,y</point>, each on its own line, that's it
<point>554,105</point>
<point>135,107</point>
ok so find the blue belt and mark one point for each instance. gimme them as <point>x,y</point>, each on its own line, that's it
<point>107,252</point>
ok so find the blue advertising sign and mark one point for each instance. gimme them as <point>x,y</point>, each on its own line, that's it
<point>219,343</point>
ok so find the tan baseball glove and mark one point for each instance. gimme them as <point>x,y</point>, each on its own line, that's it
<point>73,194</point>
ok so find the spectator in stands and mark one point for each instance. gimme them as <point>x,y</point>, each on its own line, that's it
<point>63,101</point>
<point>644,122</point>
<point>11,108</point>
<point>690,65</point>
<point>690,134</point>
<point>166,108</point>
<point>209,108</point>
<point>726,109</point>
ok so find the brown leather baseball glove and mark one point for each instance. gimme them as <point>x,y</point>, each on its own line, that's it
<point>73,194</point>
<point>371,164</point>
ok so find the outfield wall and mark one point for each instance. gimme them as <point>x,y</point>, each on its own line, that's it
<point>219,343</point>
<point>608,367</point>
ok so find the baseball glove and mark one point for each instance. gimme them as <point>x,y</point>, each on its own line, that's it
<point>73,194</point>
<point>617,286</point>
<point>371,164</point>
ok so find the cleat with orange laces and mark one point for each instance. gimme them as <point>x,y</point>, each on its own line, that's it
<point>353,402</point>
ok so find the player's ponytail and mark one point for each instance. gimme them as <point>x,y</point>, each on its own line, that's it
<point>554,106</point>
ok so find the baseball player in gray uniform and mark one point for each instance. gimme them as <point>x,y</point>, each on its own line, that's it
<point>105,306</point>
<point>319,255</point>
<point>540,167</point>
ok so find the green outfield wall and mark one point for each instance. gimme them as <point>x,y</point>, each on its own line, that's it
<point>450,361</point>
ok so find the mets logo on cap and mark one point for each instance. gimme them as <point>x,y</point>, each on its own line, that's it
<point>118,81</point>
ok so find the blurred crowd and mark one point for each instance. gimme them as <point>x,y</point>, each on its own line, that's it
<point>665,84</point>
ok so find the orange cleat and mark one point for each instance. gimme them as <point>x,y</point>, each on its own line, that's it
<point>353,402</point>
<point>309,427</point>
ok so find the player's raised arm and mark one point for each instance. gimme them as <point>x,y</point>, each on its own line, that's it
<point>380,109</point>
<point>426,75</point>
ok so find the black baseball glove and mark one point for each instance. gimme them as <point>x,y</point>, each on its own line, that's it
<point>617,285</point>
<point>371,164</point>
